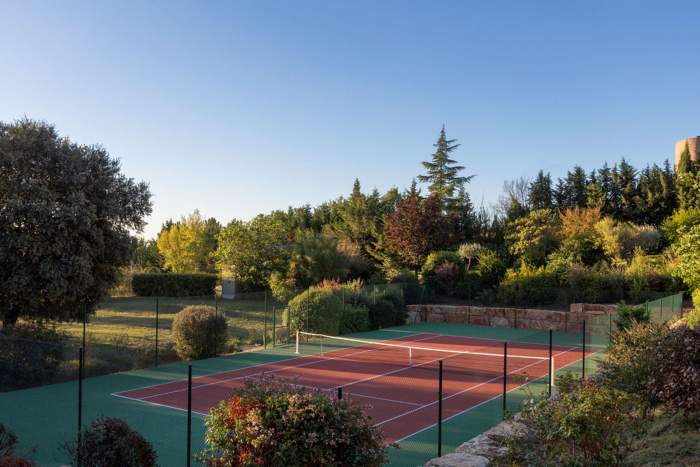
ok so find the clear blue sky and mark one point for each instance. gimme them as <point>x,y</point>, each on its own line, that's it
<point>241,107</point>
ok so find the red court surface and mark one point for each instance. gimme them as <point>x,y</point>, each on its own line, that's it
<point>400,397</point>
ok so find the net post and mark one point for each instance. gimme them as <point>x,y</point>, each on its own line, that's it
<point>410,356</point>
<point>439,447</point>
<point>505,376</point>
<point>583,351</point>
<point>157,317</point>
<point>81,361</point>
<point>189,414</point>
<point>551,366</point>
<point>340,392</point>
<point>296,344</point>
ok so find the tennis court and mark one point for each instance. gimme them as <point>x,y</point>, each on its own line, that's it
<point>393,373</point>
<point>395,380</point>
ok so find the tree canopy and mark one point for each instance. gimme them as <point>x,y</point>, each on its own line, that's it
<point>66,212</point>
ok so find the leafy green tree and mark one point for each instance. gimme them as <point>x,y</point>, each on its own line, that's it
<point>416,228</point>
<point>65,214</point>
<point>533,237</point>
<point>442,172</point>
<point>189,245</point>
<point>657,194</point>
<point>250,251</point>
<point>626,195</point>
<point>145,255</point>
<point>357,216</point>
<point>316,257</point>
<point>685,163</point>
<point>687,251</point>
<point>688,188</point>
<point>540,192</point>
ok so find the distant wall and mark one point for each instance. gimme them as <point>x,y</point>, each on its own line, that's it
<point>519,318</point>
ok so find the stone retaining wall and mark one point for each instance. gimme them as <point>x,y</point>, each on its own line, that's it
<point>520,318</point>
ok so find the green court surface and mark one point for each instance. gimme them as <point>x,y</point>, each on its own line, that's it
<point>43,418</point>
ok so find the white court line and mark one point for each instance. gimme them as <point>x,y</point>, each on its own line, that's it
<point>486,401</point>
<point>321,359</point>
<point>159,405</point>
<point>470,388</point>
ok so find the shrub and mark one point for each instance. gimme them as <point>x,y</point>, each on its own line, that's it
<point>355,318</point>
<point>266,423</point>
<point>687,249</point>
<point>681,220</point>
<point>386,308</point>
<point>199,332</point>
<point>412,289</point>
<point>629,315</point>
<point>110,442</point>
<point>528,286</point>
<point>441,271</point>
<point>8,455</point>
<point>631,358</point>
<point>692,319</point>
<point>591,285</point>
<point>30,354</point>
<point>491,268</point>
<point>173,284</point>
<point>282,287</point>
<point>315,310</point>
<point>675,378</point>
<point>590,425</point>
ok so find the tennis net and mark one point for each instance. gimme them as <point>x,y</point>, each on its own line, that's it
<point>487,358</point>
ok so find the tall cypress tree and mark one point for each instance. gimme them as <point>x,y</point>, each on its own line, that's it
<point>442,172</point>
<point>685,164</point>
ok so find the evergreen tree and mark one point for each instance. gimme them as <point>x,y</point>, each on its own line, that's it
<point>357,216</point>
<point>442,172</point>
<point>463,215</point>
<point>595,196</point>
<point>625,183</point>
<point>540,195</point>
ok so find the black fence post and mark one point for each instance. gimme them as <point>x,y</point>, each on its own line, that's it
<point>189,415</point>
<point>583,352</point>
<point>340,393</point>
<point>439,450</point>
<point>274,328</point>
<point>157,326</point>
<point>551,366</point>
<point>80,405</point>
<point>84,329</point>
<point>505,376</point>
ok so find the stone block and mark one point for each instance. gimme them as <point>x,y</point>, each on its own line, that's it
<point>436,318</point>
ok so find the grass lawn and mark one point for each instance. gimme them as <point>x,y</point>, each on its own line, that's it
<point>121,334</point>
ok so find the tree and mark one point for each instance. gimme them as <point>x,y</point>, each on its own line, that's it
<point>65,215</point>
<point>357,216</point>
<point>685,163</point>
<point>442,173</point>
<point>533,237</point>
<point>571,191</point>
<point>540,192</point>
<point>145,255</point>
<point>189,245</point>
<point>250,251</point>
<point>416,228</point>
<point>625,188</point>
<point>687,251</point>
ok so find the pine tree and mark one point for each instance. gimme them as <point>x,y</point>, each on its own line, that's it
<point>442,172</point>
<point>625,181</point>
<point>540,195</point>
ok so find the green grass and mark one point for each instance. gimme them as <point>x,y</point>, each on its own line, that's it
<point>121,334</point>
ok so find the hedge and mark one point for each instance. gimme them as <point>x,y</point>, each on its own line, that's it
<point>173,284</point>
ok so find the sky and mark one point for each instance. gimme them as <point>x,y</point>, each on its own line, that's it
<point>241,107</point>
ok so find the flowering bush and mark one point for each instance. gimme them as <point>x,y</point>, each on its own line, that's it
<point>110,442</point>
<point>267,423</point>
<point>199,332</point>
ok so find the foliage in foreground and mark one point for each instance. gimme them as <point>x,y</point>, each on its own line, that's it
<point>110,442</point>
<point>589,425</point>
<point>266,423</point>
<point>199,332</point>
<point>8,454</point>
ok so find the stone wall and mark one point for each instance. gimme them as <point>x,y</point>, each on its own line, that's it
<point>519,318</point>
